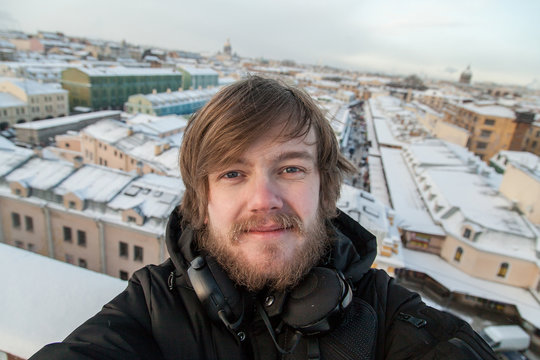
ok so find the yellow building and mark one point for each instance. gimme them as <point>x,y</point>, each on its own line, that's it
<point>492,127</point>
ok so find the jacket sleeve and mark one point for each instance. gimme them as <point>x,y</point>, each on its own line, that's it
<point>417,331</point>
<point>121,330</point>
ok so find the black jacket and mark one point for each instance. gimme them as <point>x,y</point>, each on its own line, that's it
<point>159,316</point>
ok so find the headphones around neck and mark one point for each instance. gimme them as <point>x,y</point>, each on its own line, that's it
<point>314,306</point>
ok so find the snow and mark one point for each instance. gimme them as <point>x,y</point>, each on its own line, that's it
<point>154,195</point>
<point>491,110</point>
<point>41,174</point>
<point>43,300</point>
<point>457,281</point>
<point>11,159</point>
<point>31,87</point>
<point>410,210</point>
<point>96,183</point>
<point>479,202</point>
<point>125,71</point>
<point>66,120</point>
<point>108,130</point>
<point>384,134</point>
<point>198,71</point>
<point>7,100</point>
<point>5,144</point>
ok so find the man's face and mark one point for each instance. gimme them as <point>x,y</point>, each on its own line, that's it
<point>263,213</point>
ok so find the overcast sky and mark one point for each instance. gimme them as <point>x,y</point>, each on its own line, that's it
<point>499,39</point>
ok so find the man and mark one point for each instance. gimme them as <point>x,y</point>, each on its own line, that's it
<point>262,264</point>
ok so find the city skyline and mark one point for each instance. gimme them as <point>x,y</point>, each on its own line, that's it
<point>437,40</point>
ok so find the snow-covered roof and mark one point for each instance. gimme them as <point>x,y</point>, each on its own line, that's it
<point>7,100</point>
<point>41,173</point>
<point>411,212</point>
<point>478,201</point>
<point>522,159</point>
<point>153,195</point>
<point>65,120</point>
<point>490,110</point>
<point>179,97</point>
<point>385,136</point>
<point>12,158</point>
<point>457,281</point>
<point>162,125</point>
<point>96,183</point>
<point>5,144</point>
<point>363,207</point>
<point>192,70</point>
<point>43,300</point>
<point>126,71</point>
<point>31,87</point>
<point>108,130</point>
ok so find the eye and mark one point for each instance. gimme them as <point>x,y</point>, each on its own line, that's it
<point>291,170</point>
<point>231,175</point>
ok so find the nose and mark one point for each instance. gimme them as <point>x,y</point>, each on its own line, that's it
<point>265,195</point>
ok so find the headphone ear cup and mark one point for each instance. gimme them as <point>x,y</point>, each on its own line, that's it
<point>317,304</point>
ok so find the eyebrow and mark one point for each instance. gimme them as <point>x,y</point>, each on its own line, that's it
<point>289,155</point>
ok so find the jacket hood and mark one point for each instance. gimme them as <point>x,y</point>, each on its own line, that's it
<point>353,252</point>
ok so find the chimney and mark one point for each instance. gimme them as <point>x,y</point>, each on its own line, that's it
<point>157,149</point>
<point>77,161</point>
<point>140,168</point>
<point>168,91</point>
<point>154,91</point>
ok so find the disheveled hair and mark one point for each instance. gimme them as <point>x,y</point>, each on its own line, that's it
<point>220,132</point>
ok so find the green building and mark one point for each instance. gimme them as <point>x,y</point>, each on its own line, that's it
<point>109,88</point>
<point>198,78</point>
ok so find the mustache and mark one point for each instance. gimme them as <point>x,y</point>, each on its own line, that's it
<point>282,220</point>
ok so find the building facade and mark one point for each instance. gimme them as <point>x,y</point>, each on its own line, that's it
<point>492,128</point>
<point>109,88</point>
<point>26,100</point>
<point>97,218</point>
<point>198,78</point>
<point>170,102</point>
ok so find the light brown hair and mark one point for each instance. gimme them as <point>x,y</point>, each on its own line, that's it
<point>225,127</point>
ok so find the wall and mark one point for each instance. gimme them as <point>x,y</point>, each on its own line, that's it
<point>519,186</point>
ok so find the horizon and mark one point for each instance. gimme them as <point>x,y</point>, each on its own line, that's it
<point>436,41</point>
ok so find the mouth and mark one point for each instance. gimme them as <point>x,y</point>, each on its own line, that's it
<point>267,229</point>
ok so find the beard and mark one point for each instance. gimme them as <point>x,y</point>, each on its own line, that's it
<point>278,270</point>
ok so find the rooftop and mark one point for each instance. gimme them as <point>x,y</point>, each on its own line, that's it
<point>153,195</point>
<point>41,173</point>
<point>490,110</point>
<point>60,298</point>
<point>96,183</point>
<point>126,71</point>
<point>7,100</point>
<point>35,88</point>
<point>65,120</point>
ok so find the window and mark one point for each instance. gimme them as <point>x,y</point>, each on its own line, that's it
<point>81,238</point>
<point>467,233</point>
<point>489,122</point>
<point>131,219</point>
<point>19,244</point>
<point>29,223</point>
<point>69,259</point>
<point>123,275</point>
<point>67,234</point>
<point>82,263</point>
<point>457,255</point>
<point>137,253</point>
<point>533,144</point>
<point>481,145</point>
<point>71,204</point>
<point>31,247</point>
<point>123,249</point>
<point>503,269</point>
<point>485,133</point>
<point>16,220</point>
